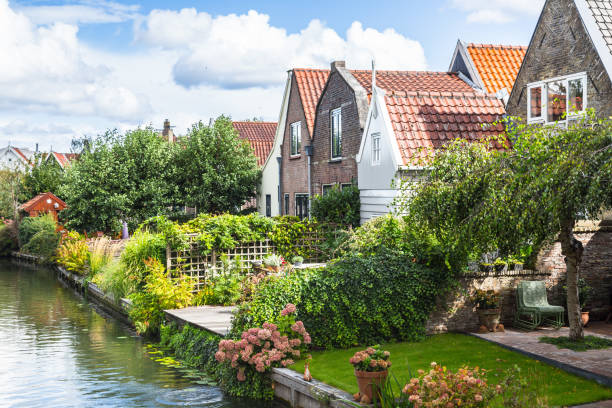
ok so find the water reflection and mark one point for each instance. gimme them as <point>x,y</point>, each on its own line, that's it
<point>57,351</point>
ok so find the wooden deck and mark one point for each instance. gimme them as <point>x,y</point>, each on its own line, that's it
<point>215,319</point>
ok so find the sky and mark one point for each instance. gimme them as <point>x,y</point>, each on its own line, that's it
<point>77,68</point>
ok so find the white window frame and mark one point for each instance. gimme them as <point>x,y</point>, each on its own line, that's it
<point>324,186</point>
<point>297,141</point>
<point>376,148</point>
<point>543,118</point>
<point>336,112</point>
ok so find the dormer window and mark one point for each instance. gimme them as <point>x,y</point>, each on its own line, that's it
<point>557,99</point>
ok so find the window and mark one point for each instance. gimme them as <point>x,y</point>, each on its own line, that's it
<point>296,138</point>
<point>327,188</point>
<point>286,204</point>
<point>346,185</point>
<point>268,205</point>
<point>336,133</point>
<point>562,98</point>
<point>301,206</point>
<point>375,149</point>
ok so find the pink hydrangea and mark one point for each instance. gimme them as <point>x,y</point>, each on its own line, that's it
<point>289,309</point>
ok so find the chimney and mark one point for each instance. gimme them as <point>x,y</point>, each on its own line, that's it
<point>337,64</point>
<point>36,147</point>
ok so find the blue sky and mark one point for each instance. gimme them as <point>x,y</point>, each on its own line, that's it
<point>83,66</point>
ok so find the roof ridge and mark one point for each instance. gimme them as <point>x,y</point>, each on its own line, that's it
<point>503,46</point>
<point>253,121</point>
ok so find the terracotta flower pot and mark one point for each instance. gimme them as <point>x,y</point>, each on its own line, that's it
<point>489,318</point>
<point>584,316</point>
<point>367,379</point>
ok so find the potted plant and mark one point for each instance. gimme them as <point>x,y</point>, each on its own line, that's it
<point>584,295</point>
<point>499,265</point>
<point>514,264</point>
<point>273,262</point>
<point>488,307</point>
<point>371,367</point>
<point>297,260</point>
<point>485,267</point>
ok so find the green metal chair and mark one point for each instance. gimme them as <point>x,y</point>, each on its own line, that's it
<point>532,308</point>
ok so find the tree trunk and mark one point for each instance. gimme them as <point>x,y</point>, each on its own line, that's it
<point>572,249</point>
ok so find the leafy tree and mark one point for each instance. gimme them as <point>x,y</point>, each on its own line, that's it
<point>479,199</point>
<point>340,206</point>
<point>46,175</point>
<point>10,192</point>
<point>215,171</point>
<point>118,178</point>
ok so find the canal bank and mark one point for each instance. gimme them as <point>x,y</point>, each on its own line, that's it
<point>59,349</point>
<point>289,387</point>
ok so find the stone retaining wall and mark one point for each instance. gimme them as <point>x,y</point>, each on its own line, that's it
<point>455,312</point>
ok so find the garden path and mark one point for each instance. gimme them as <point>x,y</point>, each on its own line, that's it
<point>592,364</point>
<point>215,319</point>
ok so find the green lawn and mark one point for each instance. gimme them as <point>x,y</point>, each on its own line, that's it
<point>454,351</point>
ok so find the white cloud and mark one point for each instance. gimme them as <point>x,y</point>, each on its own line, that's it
<point>244,51</point>
<point>497,11</point>
<point>85,12</point>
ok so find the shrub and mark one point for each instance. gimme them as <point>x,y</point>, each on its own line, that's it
<point>8,239</point>
<point>441,387</point>
<point>102,251</point>
<point>29,226</point>
<point>338,206</point>
<point>37,236</point>
<point>111,279</point>
<point>142,247</point>
<point>158,293</point>
<point>73,253</point>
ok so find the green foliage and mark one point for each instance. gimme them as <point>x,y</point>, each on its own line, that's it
<point>8,239</point>
<point>142,247</point>
<point>37,236</point>
<point>118,177</point>
<point>215,170</point>
<point>73,253</point>
<point>111,279</point>
<point>224,288</point>
<point>44,176</point>
<point>159,293</point>
<point>588,343</point>
<point>11,193</point>
<point>338,206</point>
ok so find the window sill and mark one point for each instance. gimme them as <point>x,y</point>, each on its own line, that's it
<point>295,156</point>
<point>335,160</point>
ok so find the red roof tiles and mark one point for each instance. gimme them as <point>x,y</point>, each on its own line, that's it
<point>425,120</point>
<point>412,81</point>
<point>260,136</point>
<point>497,65</point>
<point>310,83</point>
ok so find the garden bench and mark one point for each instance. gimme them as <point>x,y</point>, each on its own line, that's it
<point>532,307</point>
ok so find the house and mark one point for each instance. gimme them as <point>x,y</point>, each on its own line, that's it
<point>16,158</point>
<point>490,68</point>
<point>44,203</point>
<point>63,160</point>
<point>260,136</point>
<point>405,120</point>
<point>296,124</point>
<point>568,64</point>
<point>342,114</point>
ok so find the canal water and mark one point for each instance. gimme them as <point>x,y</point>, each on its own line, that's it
<point>58,350</point>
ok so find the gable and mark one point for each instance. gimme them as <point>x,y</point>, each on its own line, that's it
<point>309,85</point>
<point>561,46</point>
<point>497,65</point>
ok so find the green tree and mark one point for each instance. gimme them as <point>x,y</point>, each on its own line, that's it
<point>339,206</point>
<point>215,171</point>
<point>45,175</point>
<point>479,199</point>
<point>10,192</point>
<point>118,178</point>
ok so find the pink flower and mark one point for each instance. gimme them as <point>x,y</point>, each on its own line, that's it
<point>220,356</point>
<point>289,309</point>
<point>478,398</point>
<point>264,334</point>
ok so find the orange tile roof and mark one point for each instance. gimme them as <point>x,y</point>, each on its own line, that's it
<point>417,81</point>
<point>426,120</point>
<point>260,136</point>
<point>310,83</point>
<point>497,65</point>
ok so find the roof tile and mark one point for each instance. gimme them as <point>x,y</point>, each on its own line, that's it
<point>260,136</point>
<point>497,65</point>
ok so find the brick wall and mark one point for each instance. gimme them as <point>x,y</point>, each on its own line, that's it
<point>454,311</point>
<point>294,170</point>
<point>561,46</point>
<point>337,94</point>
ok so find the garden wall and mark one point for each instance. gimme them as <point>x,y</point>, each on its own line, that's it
<point>454,312</point>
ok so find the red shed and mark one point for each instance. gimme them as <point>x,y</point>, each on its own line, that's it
<point>44,203</point>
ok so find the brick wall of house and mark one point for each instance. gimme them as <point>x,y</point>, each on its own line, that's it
<point>337,94</point>
<point>294,171</point>
<point>454,311</point>
<point>561,46</point>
